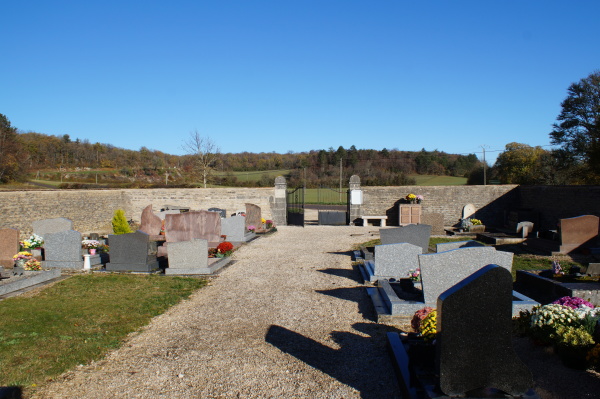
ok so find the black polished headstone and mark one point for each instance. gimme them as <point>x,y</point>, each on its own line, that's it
<point>474,347</point>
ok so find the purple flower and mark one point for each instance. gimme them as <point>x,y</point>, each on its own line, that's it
<point>573,302</point>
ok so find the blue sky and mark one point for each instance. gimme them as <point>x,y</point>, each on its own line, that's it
<point>279,76</point>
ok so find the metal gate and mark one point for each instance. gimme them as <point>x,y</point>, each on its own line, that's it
<point>332,205</point>
<point>295,207</point>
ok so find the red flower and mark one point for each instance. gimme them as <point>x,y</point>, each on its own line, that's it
<point>225,247</point>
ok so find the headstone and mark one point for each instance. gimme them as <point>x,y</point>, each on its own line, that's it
<point>474,344</point>
<point>447,246</point>
<point>416,234</point>
<point>9,246</point>
<point>436,221</point>
<point>253,216</point>
<point>45,226</point>
<point>524,228</point>
<point>593,269</point>
<point>187,226</point>
<point>440,271</point>
<point>63,250</point>
<point>221,212</point>
<point>188,257</point>
<point>234,228</point>
<point>578,232</point>
<point>395,260</point>
<point>133,252</point>
<point>162,214</point>
<point>150,223</point>
<point>468,211</point>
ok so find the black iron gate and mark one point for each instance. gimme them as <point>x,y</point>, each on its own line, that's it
<point>295,207</point>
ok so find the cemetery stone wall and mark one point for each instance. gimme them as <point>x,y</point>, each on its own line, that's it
<point>490,201</point>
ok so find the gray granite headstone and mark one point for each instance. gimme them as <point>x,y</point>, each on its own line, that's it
<point>45,226</point>
<point>395,260</point>
<point>416,234</point>
<point>9,246</point>
<point>188,257</point>
<point>474,344</point>
<point>447,246</point>
<point>63,250</point>
<point>234,228</point>
<point>132,252</point>
<point>221,212</point>
<point>440,271</point>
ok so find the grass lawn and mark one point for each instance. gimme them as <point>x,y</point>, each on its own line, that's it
<point>427,180</point>
<point>78,320</point>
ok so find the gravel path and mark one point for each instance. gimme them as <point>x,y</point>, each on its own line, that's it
<point>288,319</point>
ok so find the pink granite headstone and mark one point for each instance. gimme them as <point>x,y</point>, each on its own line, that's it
<point>150,223</point>
<point>9,246</point>
<point>253,216</point>
<point>186,226</point>
<point>578,232</point>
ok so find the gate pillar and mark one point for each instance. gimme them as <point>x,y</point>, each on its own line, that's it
<point>279,203</point>
<point>356,199</point>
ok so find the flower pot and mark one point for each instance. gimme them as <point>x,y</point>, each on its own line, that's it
<point>20,262</point>
<point>92,251</point>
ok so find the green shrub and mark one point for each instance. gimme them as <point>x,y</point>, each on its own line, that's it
<point>119,223</point>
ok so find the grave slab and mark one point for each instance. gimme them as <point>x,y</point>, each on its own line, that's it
<point>447,246</point>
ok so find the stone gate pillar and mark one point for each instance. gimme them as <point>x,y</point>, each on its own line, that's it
<point>279,202</point>
<point>356,199</point>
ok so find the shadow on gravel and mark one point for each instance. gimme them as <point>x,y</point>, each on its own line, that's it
<point>347,253</point>
<point>362,363</point>
<point>353,274</point>
<point>354,294</point>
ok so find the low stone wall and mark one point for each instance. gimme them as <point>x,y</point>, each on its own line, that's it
<point>491,202</point>
<point>92,210</point>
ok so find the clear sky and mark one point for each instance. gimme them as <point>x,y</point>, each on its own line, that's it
<point>279,75</point>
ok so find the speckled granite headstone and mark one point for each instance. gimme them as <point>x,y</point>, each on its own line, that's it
<point>45,226</point>
<point>234,228</point>
<point>253,216</point>
<point>440,271</point>
<point>63,250</point>
<point>188,255</point>
<point>474,343</point>
<point>9,246</point>
<point>150,223</point>
<point>395,260</point>
<point>447,246</point>
<point>578,232</point>
<point>416,234</point>
<point>196,224</point>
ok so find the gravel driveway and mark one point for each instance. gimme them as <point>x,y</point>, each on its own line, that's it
<point>288,319</point>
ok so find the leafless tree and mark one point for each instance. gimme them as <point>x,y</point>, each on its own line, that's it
<point>205,151</point>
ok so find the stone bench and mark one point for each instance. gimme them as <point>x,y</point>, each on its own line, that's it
<point>382,220</point>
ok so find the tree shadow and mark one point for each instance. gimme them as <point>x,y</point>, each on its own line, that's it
<point>354,294</point>
<point>361,362</point>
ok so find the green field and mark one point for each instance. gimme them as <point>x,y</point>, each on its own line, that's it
<point>427,180</point>
<point>255,175</point>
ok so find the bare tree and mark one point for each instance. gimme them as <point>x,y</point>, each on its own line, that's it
<point>205,152</point>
